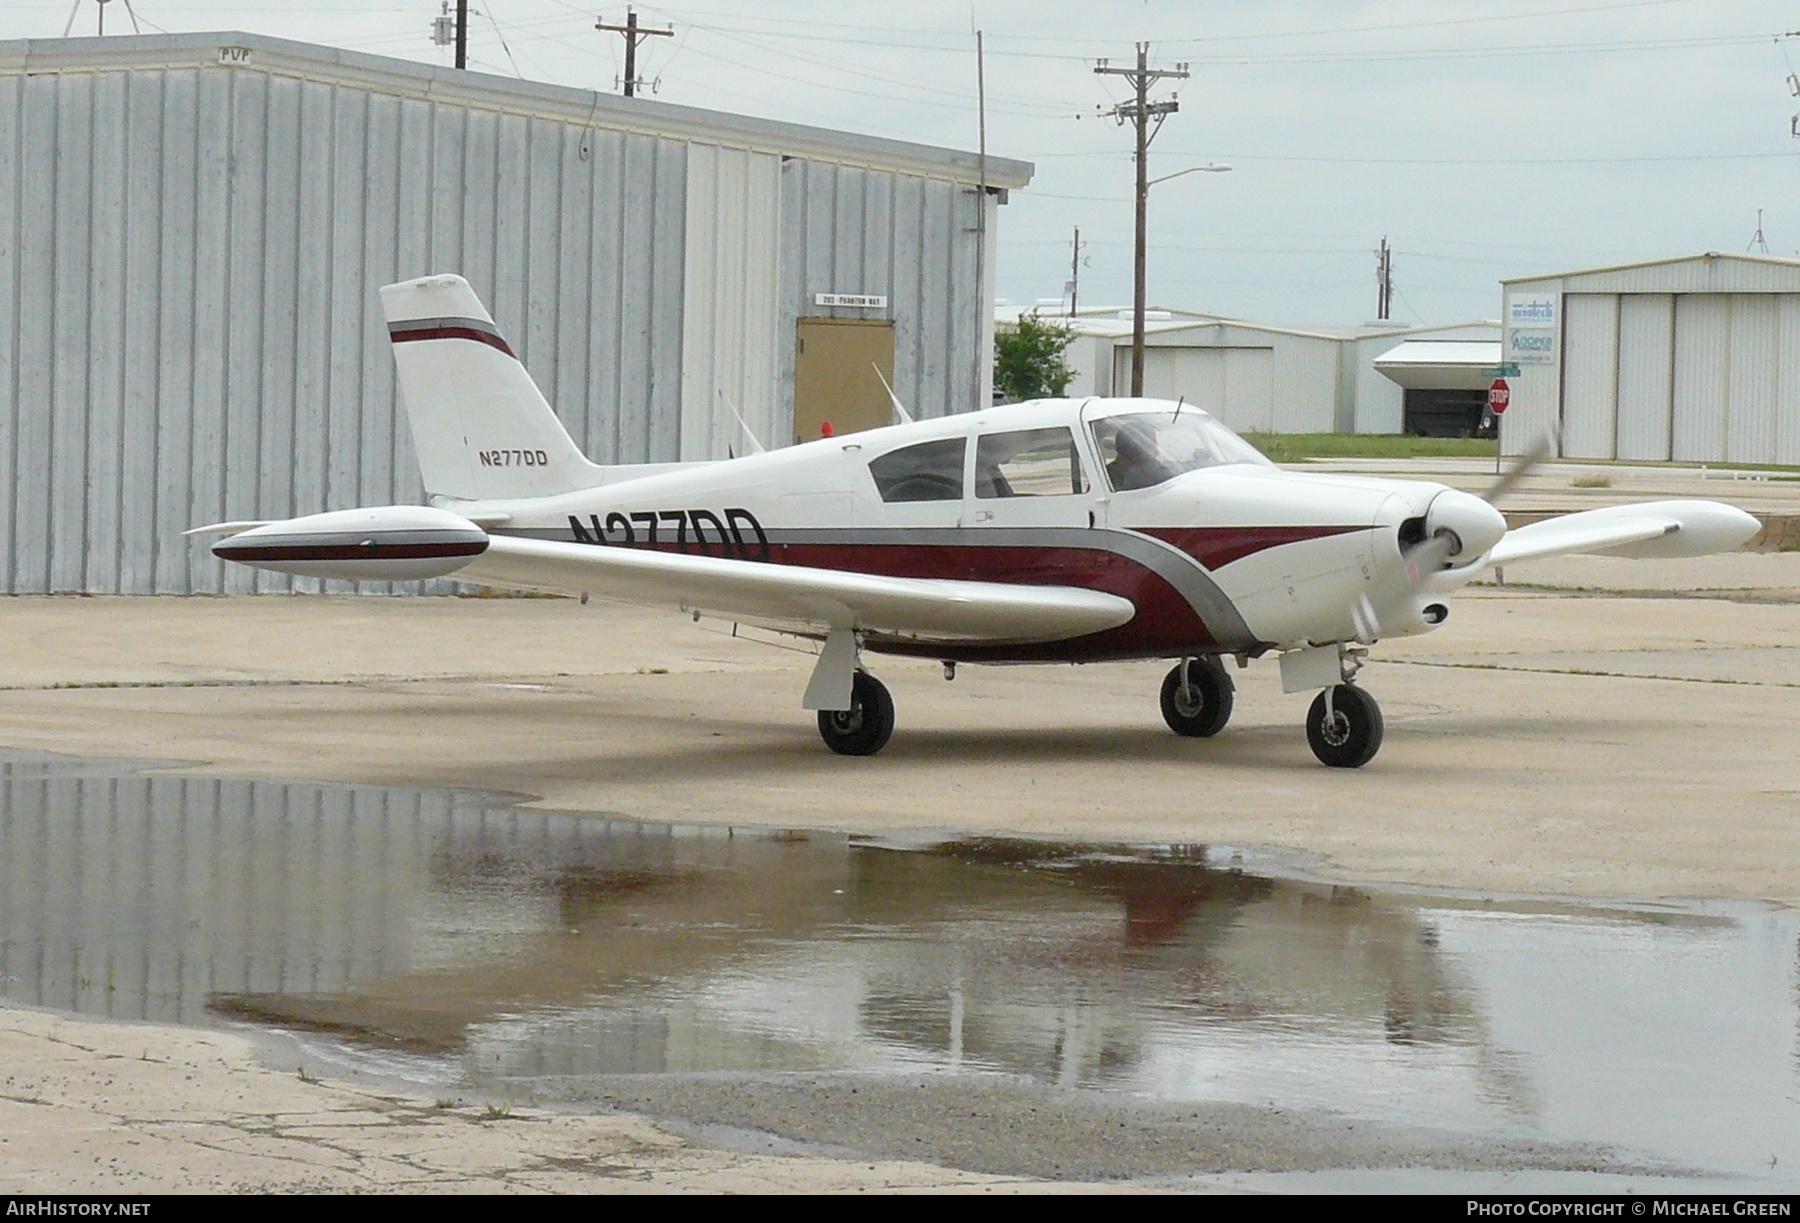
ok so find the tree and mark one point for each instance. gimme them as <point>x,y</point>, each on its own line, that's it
<point>1028,359</point>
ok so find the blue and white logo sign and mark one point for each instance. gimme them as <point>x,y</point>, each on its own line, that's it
<point>1532,310</point>
<point>1531,347</point>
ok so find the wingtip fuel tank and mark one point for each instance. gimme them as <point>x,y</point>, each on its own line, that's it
<point>390,543</point>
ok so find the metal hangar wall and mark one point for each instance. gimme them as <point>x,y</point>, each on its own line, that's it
<point>1692,359</point>
<point>193,227</point>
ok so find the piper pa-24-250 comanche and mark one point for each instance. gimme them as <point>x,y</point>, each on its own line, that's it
<point>1053,531</point>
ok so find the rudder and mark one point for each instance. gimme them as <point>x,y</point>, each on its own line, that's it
<point>481,428</point>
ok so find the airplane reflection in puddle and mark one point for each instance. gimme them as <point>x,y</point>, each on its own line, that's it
<point>525,944</point>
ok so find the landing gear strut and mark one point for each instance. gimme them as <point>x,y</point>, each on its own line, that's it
<point>862,729</point>
<point>1344,727</point>
<point>1196,697</point>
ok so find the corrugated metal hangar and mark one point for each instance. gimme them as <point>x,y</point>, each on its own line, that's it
<point>193,227</point>
<point>1695,359</point>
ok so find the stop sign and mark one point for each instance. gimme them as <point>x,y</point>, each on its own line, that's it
<point>1498,397</point>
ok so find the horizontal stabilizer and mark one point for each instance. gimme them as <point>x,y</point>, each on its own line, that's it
<point>791,595</point>
<point>227,528</point>
<point>1664,529</point>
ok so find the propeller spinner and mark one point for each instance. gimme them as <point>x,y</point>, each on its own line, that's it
<point>1457,525</point>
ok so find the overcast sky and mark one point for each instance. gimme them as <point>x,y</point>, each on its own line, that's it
<point>1484,138</point>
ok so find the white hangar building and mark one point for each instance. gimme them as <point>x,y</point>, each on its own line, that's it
<point>193,229</point>
<point>1263,378</point>
<point>1695,358</point>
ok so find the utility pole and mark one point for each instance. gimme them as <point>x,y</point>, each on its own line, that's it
<point>633,36</point>
<point>447,30</point>
<point>1075,275</point>
<point>1384,281</point>
<point>1140,112</point>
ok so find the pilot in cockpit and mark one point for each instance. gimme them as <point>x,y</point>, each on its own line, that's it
<point>1134,463</point>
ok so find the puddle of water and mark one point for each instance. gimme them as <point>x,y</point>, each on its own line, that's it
<point>503,944</point>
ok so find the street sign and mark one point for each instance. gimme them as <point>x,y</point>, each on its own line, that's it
<point>1509,370</point>
<point>1499,395</point>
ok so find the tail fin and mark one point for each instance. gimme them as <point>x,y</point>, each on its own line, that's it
<point>482,429</point>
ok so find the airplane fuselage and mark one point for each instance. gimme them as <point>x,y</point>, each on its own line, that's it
<point>1234,557</point>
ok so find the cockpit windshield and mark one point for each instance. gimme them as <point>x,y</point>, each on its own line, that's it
<point>1144,449</point>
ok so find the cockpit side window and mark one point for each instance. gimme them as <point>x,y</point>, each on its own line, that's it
<point>928,471</point>
<point>1029,463</point>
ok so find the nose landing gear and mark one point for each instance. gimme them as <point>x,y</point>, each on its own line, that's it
<point>1344,727</point>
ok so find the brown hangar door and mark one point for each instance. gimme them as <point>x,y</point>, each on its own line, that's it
<point>835,360</point>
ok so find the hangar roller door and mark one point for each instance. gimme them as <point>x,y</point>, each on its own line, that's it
<point>1695,377</point>
<point>1237,385</point>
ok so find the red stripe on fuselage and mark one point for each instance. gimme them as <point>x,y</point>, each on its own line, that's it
<point>1165,622</point>
<point>451,333</point>
<point>1216,547</point>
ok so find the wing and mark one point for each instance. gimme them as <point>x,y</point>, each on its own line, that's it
<point>1650,529</point>
<point>790,595</point>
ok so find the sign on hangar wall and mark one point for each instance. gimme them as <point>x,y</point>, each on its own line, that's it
<point>1531,325</point>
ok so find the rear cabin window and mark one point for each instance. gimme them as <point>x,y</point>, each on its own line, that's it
<point>929,471</point>
<point>1028,463</point>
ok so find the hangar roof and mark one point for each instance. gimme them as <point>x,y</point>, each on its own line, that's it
<point>1115,322</point>
<point>257,52</point>
<point>1709,272</point>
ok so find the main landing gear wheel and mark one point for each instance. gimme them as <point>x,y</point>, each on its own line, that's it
<point>1196,698</point>
<point>862,729</point>
<point>1345,732</point>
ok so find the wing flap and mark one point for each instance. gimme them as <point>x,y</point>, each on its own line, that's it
<point>921,608</point>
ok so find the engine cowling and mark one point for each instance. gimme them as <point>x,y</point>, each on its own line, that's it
<point>390,543</point>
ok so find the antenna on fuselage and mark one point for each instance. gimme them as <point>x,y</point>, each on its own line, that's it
<point>756,446</point>
<point>899,408</point>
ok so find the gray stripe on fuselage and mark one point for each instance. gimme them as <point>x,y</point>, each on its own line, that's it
<point>1189,578</point>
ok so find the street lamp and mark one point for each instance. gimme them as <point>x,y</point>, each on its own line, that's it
<point>1137,306</point>
<point>1208,168</point>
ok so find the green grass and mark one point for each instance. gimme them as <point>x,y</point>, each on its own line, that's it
<point>1293,447</point>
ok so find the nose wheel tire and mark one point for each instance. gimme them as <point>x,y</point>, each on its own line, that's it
<point>1351,735</point>
<point>862,729</point>
<point>1198,704</point>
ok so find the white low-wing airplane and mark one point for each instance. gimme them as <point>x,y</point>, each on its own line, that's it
<point>1052,531</point>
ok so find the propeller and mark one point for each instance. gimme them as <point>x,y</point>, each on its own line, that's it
<point>1449,510</point>
<point>1537,453</point>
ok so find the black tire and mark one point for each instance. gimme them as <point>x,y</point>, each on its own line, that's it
<point>863,729</point>
<point>1354,736</point>
<point>1202,710</point>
